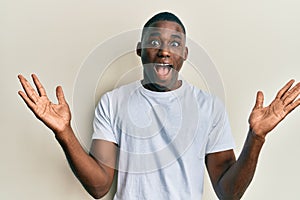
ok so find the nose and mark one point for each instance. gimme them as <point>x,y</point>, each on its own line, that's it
<point>164,51</point>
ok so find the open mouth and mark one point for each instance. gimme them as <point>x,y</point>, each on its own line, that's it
<point>163,69</point>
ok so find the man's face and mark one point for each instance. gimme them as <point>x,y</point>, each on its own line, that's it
<point>162,51</point>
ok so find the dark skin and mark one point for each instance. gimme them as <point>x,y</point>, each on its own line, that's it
<point>164,43</point>
<point>95,170</point>
<point>230,177</point>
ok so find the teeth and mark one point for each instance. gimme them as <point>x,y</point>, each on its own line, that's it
<point>163,68</point>
<point>164,65</point>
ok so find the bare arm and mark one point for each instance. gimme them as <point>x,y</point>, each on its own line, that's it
<point>94,171</point>
<point>230,178</point>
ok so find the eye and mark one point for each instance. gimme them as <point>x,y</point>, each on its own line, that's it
<point>175,44</point>
<point>155,43</point>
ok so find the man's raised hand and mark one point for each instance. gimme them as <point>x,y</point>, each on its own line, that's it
<point>263,119</point>
<point>56,116</point>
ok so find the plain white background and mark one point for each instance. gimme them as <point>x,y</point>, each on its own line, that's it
<point>254,45</point>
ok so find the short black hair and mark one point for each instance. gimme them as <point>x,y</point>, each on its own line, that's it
<point>164,16</point>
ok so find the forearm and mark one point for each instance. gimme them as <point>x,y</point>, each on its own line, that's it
<point>57,117</point>
<point>92,176</point>
<point>237,178</point>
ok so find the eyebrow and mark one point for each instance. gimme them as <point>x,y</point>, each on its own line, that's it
<point>153,34</point>
<point>176,36</point>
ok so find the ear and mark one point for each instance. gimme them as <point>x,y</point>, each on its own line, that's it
<point>185,53</point>
<point>139,49</point>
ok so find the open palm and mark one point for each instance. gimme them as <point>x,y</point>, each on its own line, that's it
<point>56,116</point>
<point>263,119</point>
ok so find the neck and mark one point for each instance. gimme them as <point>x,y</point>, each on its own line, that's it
<point>161,88</point>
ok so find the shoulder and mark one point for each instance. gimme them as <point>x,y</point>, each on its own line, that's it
<point>205,100</point>
<point>125,89</point>
<point>200,94</point>
<point>119,93</point>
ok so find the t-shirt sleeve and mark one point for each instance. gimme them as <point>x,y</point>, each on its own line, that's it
<point>102,124</point>
<point>220,136</point>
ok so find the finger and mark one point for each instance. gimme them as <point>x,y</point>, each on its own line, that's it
<point>285,88</point>
<point>259,100</point>
<point>30,92</point>
<point>292,94</point>
<point>60,95</point>
<point>27,100</point>
<point>39,86</point>
<point>292,106</point>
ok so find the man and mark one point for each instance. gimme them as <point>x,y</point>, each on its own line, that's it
<point>160,132</point>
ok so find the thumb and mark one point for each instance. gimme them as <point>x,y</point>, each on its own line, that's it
<point>60,95</point>
<point>259,100</point>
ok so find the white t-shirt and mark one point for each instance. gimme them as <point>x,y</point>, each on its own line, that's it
<point>163,138</point>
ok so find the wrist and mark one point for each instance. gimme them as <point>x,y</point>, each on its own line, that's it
<point>64,134</point>
<point>256,136</point>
